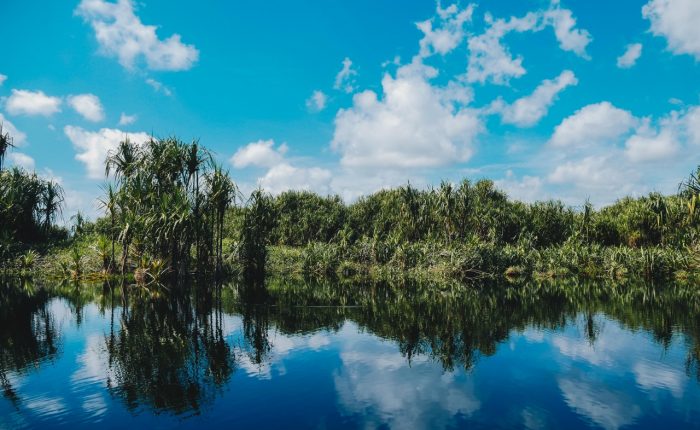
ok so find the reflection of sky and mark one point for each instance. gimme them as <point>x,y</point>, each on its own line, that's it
<point>350,378</point>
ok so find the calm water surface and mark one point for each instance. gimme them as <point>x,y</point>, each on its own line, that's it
<point>315,356</point>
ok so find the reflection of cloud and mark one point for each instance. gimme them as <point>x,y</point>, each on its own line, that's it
<point>533,419</point>
<point>604,407</point>
<point>612,345</point>
<point>280,347</point>
<point>318,341</point>
<point>653,375</point>
<point>377,382</point>
<point>95,405</point>
<point>580,349</point>
<point>533,335</point>
<point>47,407</point>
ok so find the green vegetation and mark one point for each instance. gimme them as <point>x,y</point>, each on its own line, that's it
<point>171,212</point>
<point>474,231</point>
<point>167,204</point>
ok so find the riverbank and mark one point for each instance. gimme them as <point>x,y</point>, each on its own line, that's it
<point>89,257</point>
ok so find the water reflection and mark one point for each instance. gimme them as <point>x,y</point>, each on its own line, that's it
<point>401,356</point>
<point>27,333</point>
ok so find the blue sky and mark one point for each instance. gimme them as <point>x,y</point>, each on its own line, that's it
<point>551,99</point>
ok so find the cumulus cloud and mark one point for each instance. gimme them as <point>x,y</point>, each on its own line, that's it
<point>121,34</point>
<point>24,102</point>
<point>125,119</point>
<point>604,153</point>
<point>569,37</point>
<point>259,154</point>
<point>317,101</point>
<point>648,144</point>
<point>92,147</point>
<point>345,79</point>
<point>3,78</point>
<point>491,61</point>
<point>528,110</point>
<point>21,160</point>
<point>692,125</point>
<point>281,175</point>
<point>284,176</point>
<point>445,32</point>
<point>591,125</point>
<point>18,138</point>
<point>677,21</point>
<point>599,173</point>
<point>414,124</point>
<point>630,57</point>
<point>88,106</point>
<point>527,189</point>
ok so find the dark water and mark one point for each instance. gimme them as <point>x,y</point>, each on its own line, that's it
<point>347,356</point>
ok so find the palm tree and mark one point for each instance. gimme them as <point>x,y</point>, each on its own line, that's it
<point>109,204</point>
<point>6,142</point>
<point>52,197</point>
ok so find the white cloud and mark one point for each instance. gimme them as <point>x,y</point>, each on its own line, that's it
<point>570,38</point>
<point>677,21</point>
<point>414,124</point>
<point>652,145</point>
<point>599,173</point>
<point>284,176</point>
<point>121,34</point>
<point>159,87</point>
<point>281,175</point>
<point>528,189</point>
<point>21,160</point>
<point>18,138</point>
<point>591,125</point>
<point>345,79</point>
<point>259,154</point>
<point>24,102</point>
<point>490,60</point>
<point>692,125</point>
<point>3,78</point>
<point>630,57</point>
<point>527,111</point>
<point>125,119</point>
<point>317,101</point>
<point>603,153</point>
<point>93,146</point>
<point>88,106</point>
<point>445,32</point>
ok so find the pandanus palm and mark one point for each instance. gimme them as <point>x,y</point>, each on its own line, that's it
<point>52,197</point>
<point>5,145</point>
<point>160,197</point>
<point>222,192</point>
<point>109,204</point>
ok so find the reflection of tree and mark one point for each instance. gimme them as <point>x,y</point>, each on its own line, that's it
<point>28,332</point>
<point>169,354</point>
<point>456,324</point>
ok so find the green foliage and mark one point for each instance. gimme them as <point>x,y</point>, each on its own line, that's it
<point>304,217</point>
<point>29,206</point>
<point>168,201</point>
<point>258,224</point>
